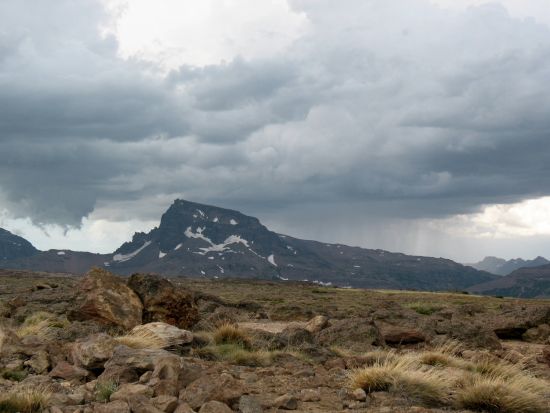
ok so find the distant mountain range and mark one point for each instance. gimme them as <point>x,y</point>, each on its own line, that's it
<point>501,266</point>
<point>531,282</point>
<point>207,241</point>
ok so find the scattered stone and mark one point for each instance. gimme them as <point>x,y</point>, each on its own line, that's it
<point>117,406</point>
<point>355,333</point>
<point>94,351</point>
<point>128,364</point>
<point>142,404</point>
<point>293,336</point>
<point>223,388</point>
<point>316,324</point>
<point>184,408</point>
<point>125,391</point>
<point>286,402</point>
<point>249,404</point>
<point>165,403</point>
<point>359,394</point>
<point>162,301</point>
<point>64,370</point>
<point>39,362</point>
<point>310,395</point>
<point>215,407</point>
<point>106,299</point>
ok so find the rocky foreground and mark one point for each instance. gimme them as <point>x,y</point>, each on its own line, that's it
<point>147,344</point>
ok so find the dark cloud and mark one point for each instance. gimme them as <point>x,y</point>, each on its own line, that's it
<point>400,108</point>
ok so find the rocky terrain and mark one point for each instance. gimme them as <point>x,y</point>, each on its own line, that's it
<point>210,242</point>
<point>501,266</point>
<point>102,343</point>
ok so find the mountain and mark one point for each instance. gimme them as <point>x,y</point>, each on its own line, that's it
<point>500,266</point>
<point>13,246</point>
<point>208,241</point>
<point>531,282</point>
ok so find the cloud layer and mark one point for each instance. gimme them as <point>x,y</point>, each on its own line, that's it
<point>404,109</point>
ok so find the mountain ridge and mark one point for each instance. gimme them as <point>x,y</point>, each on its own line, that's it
<point>500,266</point>
<point>201,240</point>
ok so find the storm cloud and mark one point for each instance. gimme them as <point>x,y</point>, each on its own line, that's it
<point>402,108</point>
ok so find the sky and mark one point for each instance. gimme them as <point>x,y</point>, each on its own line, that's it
<point>419,126</point>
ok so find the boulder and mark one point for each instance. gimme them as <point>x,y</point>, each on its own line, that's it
<point>118,406</point>
<point>142,404</point>
<point>106,299</point>
<point>539,334</point>
<point>474,334</point>
<point>164,333</point>
<point>355,333</point>
<point>162,301</point>
<point>316,324</point>
<point>128,364</point>
<point>184,408</point>
<point>39,362</point>
<point>223,388</point>
<point>128,390</point>
<point>66,371</point>
<point>215,407</point>
<point>93,351</point>
<point>292,336</point>
<point>9,342</point>
<point>286,402</point>
<point>165,403</point>
<point>398,336</point>
<point>250,404</point>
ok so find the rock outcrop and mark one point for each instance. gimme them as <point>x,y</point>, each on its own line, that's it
<point>106,299</point>
<point>162,301</point>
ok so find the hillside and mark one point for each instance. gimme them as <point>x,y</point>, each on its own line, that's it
<point>525,283</point>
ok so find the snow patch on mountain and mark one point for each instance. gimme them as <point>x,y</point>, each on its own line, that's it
<point>126,257</point>
<point>271,260</point>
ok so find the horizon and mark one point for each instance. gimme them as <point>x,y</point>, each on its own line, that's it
<point>424,132</point>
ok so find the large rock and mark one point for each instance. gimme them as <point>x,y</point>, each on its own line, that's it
<point>162,301</point>
<point>398,336</point>
<point>166,334</point>
<point>92,352</point>
<point>66,371</point>
<point>215,407</point>
<point>356,333</point>
<point>169,371</point>
<point>223,388</point>
<point>106,299</point>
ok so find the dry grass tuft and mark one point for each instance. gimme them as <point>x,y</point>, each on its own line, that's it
<point>406,376</point>
<point>25,400</point>
<point>235,354</point>
<point>497,395</point>
<point>231,334</point>
<point>41,324</point>
<point>142,338</point>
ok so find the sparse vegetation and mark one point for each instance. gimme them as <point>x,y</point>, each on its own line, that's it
<point>25,400</point>
<point>41,324</point>
<point>495,394</point>
<point>14,375</point>
<point>235,354</point>
<point>231,334</point>
<point>104,389</point>
<point>424,308</point>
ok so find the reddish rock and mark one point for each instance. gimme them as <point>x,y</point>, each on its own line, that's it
<point>66,371</point>
<point>106,299</point>
<point>396,336</point>
<point>162,301</point>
